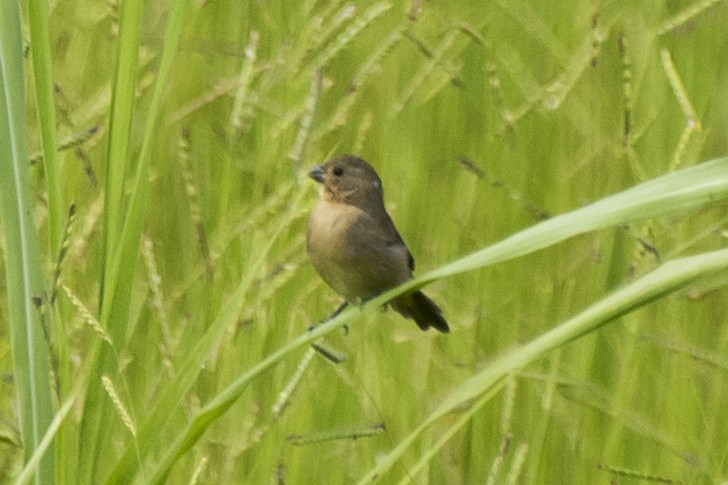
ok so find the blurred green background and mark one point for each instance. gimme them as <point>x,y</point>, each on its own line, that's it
<point>482,119</point>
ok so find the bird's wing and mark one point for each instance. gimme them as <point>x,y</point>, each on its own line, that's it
<point>389,237</point>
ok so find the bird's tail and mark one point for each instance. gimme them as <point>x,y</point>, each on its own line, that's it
<point>422,310</point>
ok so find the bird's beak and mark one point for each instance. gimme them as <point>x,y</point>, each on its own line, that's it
<point>318,174</point>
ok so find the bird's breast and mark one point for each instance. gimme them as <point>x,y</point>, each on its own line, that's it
<point>352,253</point>
<point>330,233</point>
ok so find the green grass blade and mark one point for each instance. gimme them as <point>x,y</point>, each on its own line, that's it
<point>24,270</point>
<point>32,464</point>
<point>41,54</point>
<point>131,230</point>
<point>675,192</point>
<point>664,280</point>
<point>122,108</point>
<point>120,273</point>
<point>672,193</point>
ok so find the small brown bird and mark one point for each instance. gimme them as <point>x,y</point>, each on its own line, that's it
<point>354,245</point>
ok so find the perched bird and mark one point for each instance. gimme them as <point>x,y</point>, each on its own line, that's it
<point>354,245</point>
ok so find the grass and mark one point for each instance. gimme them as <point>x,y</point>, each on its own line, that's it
<point>29,320</point>
<point>558,171</point>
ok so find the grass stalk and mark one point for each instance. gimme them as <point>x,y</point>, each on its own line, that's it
<point>27,297</point>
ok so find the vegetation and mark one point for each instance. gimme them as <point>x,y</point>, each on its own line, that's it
<point>558,170</point>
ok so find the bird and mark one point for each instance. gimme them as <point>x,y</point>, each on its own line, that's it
<point>354,245</point>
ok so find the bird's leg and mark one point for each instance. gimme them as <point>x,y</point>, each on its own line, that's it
<point>336,312</point>
<point>327,352</point>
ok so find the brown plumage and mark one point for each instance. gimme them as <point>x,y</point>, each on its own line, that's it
<point>354,245</point>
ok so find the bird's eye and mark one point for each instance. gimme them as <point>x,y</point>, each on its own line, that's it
<point>338,171</point>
